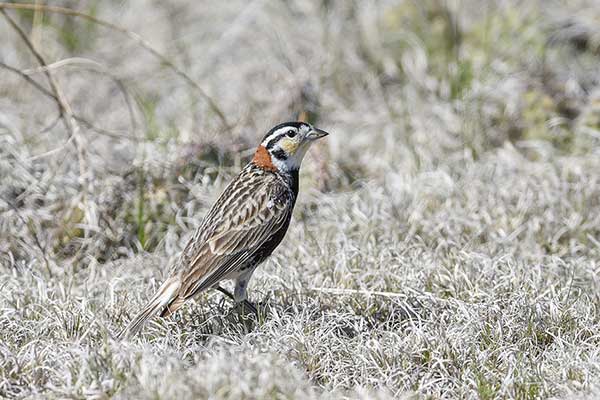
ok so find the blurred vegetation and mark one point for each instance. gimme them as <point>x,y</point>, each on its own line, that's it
<point>491,70</point>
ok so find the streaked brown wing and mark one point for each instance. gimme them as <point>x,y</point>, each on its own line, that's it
<point>247,223</point>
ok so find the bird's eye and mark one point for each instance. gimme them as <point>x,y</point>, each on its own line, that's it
<point>291,133</point>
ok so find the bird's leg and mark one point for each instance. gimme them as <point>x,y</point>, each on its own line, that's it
<point>244,301</point>
<point>239,293</point>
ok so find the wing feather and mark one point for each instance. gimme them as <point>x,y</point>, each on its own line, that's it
<point>211,279</point>
<point>252,219</point>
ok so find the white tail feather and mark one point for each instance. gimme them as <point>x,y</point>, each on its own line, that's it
<point>164,295</point>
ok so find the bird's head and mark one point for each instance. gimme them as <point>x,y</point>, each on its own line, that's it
<point>284,146</point>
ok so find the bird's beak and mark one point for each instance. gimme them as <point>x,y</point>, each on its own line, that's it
<point>316,133</point>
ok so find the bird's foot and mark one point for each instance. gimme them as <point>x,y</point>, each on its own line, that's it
<point>242,305</point>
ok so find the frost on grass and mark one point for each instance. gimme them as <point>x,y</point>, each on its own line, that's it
<point>445,243</point>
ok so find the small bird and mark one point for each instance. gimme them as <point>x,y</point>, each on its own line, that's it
<point>242,228</point>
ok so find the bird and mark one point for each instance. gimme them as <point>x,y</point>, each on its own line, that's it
<point>242,228</point>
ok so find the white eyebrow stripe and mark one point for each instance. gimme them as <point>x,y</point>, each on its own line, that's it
<point>276,133</point>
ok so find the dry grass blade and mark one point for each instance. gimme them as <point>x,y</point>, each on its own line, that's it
<point>66,113</point>
<point>133,36</point>
<point>98,67</point>
<point>34,234</point>
<point>25,74</point>
<point>340,291</point>
<point>30,81</point>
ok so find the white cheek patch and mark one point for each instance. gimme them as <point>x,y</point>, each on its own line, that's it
<point>280,165</point>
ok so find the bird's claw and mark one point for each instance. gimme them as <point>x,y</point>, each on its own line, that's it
<point>243,304</point>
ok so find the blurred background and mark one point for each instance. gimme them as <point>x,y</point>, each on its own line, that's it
<point>404,87</point>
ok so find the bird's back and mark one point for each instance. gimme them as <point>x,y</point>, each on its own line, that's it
<point>239,206</point>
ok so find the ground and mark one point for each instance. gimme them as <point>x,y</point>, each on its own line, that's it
<point>445,244</point>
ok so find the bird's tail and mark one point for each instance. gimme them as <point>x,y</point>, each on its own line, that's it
<point>165,295</point>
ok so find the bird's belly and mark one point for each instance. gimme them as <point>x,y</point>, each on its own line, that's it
<point>261,254</point>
